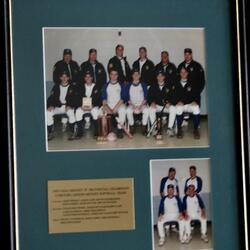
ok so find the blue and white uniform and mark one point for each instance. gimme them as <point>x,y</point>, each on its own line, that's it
<point>192,206</point>
<point>167,181</point>
<point>112,93</point>
<point>136,94</point>
<point>169,211</point>
<point>196,181</point>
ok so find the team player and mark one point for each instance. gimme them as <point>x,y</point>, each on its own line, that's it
<point>167,67</point>
<point>62,101</point>
<point>88,103</point>
<point>113,99</point>
<point>187,96</point>
<point>137,102</point>
<point>170,210</point>
<point>145,66</point>
<point>160,96</point>
<point>120,64</point>
<point>169,179</point>
<point>194,209</point>
<point>194,180</point>
<point>66,65</point>
<point>96,69</point>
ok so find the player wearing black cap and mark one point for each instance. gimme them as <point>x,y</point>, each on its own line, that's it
<point>66,65</point>
<point>62,100</point>
<point>96,69</point>
<point>187,98</point>
<point>120,64</point>
<point>167,67</point>
<point>88,103</point>
<point>160,99</point>
<point>145,66</point>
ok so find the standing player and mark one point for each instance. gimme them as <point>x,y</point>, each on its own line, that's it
<point>62,101</point>
<point>194,180</point>
<point>194,209</point>
<point>95,68</point>
<point>66,65</point>
<point>160,95</point>
<point>88,102</point>
<point>188,100</point>
<point>120,64</point>
<point>170,210</point>
<point>145,66</point>
<point>137,102</point>
<point>167,67</point>
<point>113,99</point>
<point>170,179</point>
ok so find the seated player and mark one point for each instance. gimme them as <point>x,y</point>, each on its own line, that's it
<point>62,101</point>
<point>113,98</point>
<point>170,210</point>
<point>160,96</point>
<point>137,102</point>
<point>170,179</point>
<point>194,209</point>
<point>188,100</point>
<point>193,180</point>
<point>89,103</point>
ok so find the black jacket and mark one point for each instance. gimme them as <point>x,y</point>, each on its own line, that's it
<point>100,73</point>
<point>61,66</point>
<point>170,71</point>
<point>95,95</point>
<point>196,74</point>
<point>187,94</point>
<point>54,98</point>
<point>161,97</point>
<point>147,71</point>
<point>114,63</point>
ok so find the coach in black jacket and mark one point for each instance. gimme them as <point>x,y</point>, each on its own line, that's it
<point>187,97</point>
<point>96,69</point>
<point>145,67</point>
<point>62,100</point>
<point>120,64</point>
<point>66,65</point>
<point>167,67</point>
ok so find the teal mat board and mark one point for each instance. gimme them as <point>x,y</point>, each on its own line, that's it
<point>35,166</point>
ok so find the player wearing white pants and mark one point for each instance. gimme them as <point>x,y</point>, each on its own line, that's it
<point>161,95</point>
<point>113,98</point>
<point>194,209</point>
<point>88,102</point>
<point>187,96</point>
<point>61,101</point>
<point>170,210</point>
<point>137,99</point>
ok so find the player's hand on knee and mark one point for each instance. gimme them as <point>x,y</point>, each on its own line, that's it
<point>160,218</point>
<point>181,217</point>
<point>153,105</point>
<point>180,104</point>
<point>194,103</point>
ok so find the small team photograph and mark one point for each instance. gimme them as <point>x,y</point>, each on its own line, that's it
<point>124,88</point>
<point>181,204</point>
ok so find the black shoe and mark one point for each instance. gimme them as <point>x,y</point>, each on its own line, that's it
<point>51,136</point>
<point>144,130</point>
<point>119,133</point>
<point>197,134</point>
<point>179,133</point>
<point>131,130</point>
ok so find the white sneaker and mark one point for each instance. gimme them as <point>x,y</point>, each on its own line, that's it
<point>188,239</point>
<point>170,132</point>
<point>182,240</point>
<point>161,241</point>
<point>204,238</point>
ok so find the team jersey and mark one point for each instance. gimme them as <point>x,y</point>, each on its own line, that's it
<point>63,93</point>
<point>89,89</point>
<point>193,204</point>
<point>170,205</point>
<point>196,181</point>
<point>136,93</point>
<point>167,181</point>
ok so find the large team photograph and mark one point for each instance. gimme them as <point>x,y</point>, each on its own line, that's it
<point>124,88</point>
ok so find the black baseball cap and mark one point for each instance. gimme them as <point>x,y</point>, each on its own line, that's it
<point>67,52</point>
<point>88,73</point>
<point>64,73</point>
<point>92,51</point>
<point>188,50</point>
<point>135,70</point>
<point>160,72</point>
